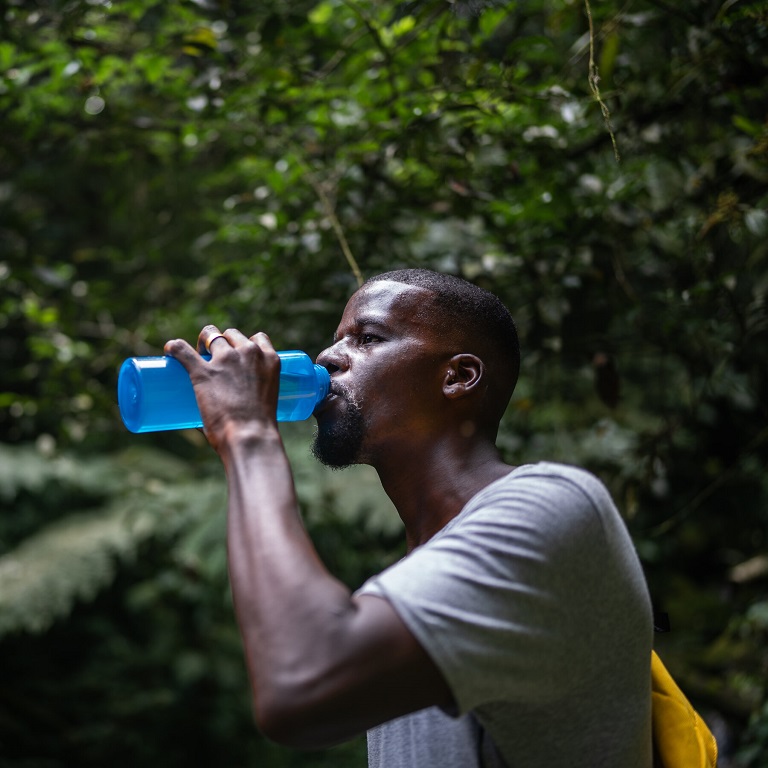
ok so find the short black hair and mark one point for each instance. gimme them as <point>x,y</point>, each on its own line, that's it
<point>480,314</point>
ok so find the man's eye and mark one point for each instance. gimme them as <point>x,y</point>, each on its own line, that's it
<point>368,338</point>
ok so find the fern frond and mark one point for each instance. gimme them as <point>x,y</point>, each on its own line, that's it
<point>76,557</point>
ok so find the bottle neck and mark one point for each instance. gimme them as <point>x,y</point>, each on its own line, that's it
<point>323,381</point>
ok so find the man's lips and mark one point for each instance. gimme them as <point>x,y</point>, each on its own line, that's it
<point>337,390</point>
<point>334,393</point>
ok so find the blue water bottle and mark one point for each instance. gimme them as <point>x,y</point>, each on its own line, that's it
<point>155,393</point>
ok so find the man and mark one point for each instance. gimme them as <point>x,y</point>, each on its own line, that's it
<point>517,630</point>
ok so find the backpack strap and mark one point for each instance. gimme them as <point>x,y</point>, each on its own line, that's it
<point>681,739</point>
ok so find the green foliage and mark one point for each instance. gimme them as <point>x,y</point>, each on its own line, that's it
<point>167,165</point>
<point>150,640</point>
<point>144,497</point>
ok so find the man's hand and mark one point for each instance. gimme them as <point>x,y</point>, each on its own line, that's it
<point>238,388</point>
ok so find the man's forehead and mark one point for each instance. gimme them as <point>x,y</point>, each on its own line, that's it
<point>387,299</point>
<point>397,309</point>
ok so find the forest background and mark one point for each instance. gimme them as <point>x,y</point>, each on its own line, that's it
<point>164,165</point>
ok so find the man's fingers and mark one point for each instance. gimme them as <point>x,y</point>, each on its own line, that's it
<point>206,338</point>
<point>234,337</point>
<point>182,351</point>
<point>211,338</point>
<point>262,340</point>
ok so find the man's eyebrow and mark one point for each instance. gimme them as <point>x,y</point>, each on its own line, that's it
<point>365,321</point>
<point>370,322</point>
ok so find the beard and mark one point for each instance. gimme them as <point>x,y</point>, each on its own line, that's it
<point>338,444</point>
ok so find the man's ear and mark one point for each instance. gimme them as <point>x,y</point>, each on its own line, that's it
<point>463,375</point>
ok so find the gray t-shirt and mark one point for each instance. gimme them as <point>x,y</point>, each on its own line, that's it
<point>533,604</point>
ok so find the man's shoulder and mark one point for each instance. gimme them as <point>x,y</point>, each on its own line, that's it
<point>544,477</point>
<point>554,470</point>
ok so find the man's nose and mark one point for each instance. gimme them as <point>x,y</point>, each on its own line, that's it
<point>332,359</point>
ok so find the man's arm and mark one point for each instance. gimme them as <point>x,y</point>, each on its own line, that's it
<point>323,664</point>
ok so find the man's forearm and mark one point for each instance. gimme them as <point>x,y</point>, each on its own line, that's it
<point>292,613</point>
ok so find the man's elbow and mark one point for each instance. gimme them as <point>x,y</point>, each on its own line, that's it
<point>283,719</point>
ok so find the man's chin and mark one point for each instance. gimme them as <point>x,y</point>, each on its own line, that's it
<point>334,454</point>
<point>338,444</point>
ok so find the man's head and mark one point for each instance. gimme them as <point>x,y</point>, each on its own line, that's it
<point>416,351</point>
<point>479,315</point>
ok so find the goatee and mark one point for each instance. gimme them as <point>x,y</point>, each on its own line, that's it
<point>338,443</point>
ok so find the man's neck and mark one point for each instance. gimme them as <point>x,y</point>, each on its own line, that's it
<point>430,489</point>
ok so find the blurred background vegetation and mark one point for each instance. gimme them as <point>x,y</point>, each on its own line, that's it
<point>168,164</point>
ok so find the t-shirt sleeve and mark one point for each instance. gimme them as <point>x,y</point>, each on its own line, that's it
<point>505,599</point>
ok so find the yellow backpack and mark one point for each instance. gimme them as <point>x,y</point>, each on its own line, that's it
<point>681,739</point>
